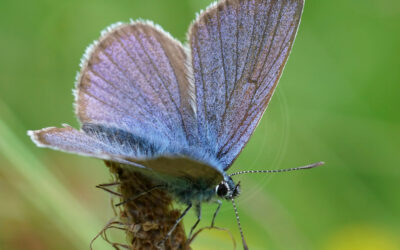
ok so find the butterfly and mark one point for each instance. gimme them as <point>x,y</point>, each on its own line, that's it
<point>181,112</point>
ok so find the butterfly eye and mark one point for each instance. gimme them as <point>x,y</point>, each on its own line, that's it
<point>222,189</point>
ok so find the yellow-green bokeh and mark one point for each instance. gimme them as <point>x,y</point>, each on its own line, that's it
<point>338,101</point>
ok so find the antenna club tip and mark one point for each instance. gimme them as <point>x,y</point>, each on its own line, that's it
<point>314,165</point>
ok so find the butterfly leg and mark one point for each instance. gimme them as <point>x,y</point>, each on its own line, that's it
<point>139,195</point>
<point>106,188</point>
<point>216,212</point>
<point>198,212</point>
<point>161,244</point>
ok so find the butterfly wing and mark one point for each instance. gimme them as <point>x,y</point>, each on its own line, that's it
<point>135,79</point>
<point>239,49</point>
<point>121,146</point>
<point>70,140</point>
<point>136,104</point>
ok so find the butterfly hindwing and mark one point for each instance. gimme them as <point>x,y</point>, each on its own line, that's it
<point>120,146</point>
<point>70,140</point>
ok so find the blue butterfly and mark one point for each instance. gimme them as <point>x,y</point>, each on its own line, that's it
<point>181,113</point>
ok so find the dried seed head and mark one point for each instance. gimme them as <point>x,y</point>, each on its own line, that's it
<point>149,217</point>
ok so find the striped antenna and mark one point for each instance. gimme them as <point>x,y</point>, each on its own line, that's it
<point>279,170</point>
<point>245,247</point>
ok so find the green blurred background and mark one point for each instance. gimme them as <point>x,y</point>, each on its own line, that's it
<point>338,101</point>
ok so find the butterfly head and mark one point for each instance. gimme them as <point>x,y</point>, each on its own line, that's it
<point>228,189</point>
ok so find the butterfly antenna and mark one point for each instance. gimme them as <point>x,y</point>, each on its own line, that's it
<point>240,227</point>
<point>279,170</point>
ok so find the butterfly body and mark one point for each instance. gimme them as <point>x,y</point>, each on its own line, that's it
<point>171,167</point>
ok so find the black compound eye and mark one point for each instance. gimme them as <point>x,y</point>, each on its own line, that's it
<point>222,190</point>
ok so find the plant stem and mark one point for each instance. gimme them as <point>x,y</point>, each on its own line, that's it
<point>149,217</point>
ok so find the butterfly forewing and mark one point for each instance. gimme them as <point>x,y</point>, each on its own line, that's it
<point>135,79</point>
<point>239,49</point>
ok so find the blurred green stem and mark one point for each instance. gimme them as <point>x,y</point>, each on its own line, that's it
<point>45,192</point>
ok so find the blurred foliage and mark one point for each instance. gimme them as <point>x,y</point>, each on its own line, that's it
<point>338,101</point>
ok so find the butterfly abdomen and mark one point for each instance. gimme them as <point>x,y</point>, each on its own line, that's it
<point>192,191</point>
